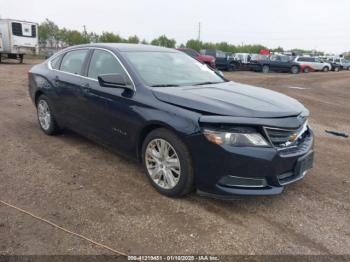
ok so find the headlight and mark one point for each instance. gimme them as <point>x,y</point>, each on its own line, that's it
<point>239,137</point>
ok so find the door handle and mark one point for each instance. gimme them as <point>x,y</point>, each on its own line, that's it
<point>85,88</point>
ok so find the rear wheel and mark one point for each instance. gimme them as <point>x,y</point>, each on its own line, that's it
<point>336,69</point>
<point>45,116</point>
<point>167,163</point>
<point>265,69</point>
<point>349,68</point>
<point>306,70</point>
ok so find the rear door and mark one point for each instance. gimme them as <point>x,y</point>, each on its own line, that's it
<point>318,63</point>
<point>310,61</point>
<point>68,81</point>
<point>286,63</point>
<point>275,63</point>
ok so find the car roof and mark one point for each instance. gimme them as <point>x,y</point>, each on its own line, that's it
<point>121,47</point>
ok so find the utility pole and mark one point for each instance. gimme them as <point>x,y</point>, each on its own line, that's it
<point>85,32</point>
<point>199,31</point>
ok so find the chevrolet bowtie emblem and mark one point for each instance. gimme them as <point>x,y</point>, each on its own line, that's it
<point>293,137</point>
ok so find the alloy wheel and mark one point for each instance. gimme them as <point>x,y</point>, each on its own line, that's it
<point>162,163</point>
<point>44,114</point>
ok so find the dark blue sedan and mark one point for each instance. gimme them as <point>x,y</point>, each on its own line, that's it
<point>189,127</point>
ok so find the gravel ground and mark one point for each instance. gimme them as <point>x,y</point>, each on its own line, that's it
<point>87,189</point>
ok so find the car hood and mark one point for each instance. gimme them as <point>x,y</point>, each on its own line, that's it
<point>231,99</point>
<point>207,58</point>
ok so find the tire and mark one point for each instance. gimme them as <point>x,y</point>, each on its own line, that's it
<point>231,68</point>
<point>349,68</point>
<point>295,70</point>
<point>336,69</point>
<point>325,69</point>
<point>46,119</point>
<point>153,160</point>
<point>265,69</point>
<point>306,70</point>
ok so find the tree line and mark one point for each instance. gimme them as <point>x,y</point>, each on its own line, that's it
<point>53,37</point>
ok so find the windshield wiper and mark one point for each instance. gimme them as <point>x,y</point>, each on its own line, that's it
<point>164,85</point>
<point>207,83</point>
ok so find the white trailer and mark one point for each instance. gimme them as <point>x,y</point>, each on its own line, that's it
<point>18,38</point>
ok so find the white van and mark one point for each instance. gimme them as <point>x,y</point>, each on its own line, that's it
<point>18,38</point>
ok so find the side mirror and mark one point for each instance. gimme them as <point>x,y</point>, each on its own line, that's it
<point>114,81</point>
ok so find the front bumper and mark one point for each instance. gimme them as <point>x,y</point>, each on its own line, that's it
<point>226,171</point>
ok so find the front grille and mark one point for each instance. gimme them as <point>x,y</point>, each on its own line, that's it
<point>299,149</point>
<point>283,138</point>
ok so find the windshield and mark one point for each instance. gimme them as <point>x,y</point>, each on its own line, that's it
<point>159,69</point>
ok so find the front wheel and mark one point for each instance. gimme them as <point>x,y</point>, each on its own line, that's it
<point>167,163</point>
<point>336,69</point>
<point>45,116</point>
<point>295,70</point>
<point>265,69</point>
<point>325,69</point>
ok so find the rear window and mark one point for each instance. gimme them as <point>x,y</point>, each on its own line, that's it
<point>190,52</point>
<point>55,63</point>
<point>73,61</point>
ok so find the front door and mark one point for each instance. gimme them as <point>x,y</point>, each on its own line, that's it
<point>110,110</point>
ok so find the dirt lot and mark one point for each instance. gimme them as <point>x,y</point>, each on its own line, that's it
<point>85,188</point>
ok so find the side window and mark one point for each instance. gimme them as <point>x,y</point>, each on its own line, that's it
<point>274,58</point>
<point>34,31</point>
<point>17,29</point>
<point>220,54</point>
<point>103,62</point>
<point>55,63</point>
<point>73,61</point>
<point>285,59</point>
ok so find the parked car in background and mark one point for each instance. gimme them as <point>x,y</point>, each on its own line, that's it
<point>276,63</point>
<point>243,58</point>
<point>344,63</point>
<point>309,63</point>
<point>206,59</point>
<point>336,67</point>
<point>223,60</point>
<point>189,127</point>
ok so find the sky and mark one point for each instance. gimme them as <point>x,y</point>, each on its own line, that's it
<point>310,24</point>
